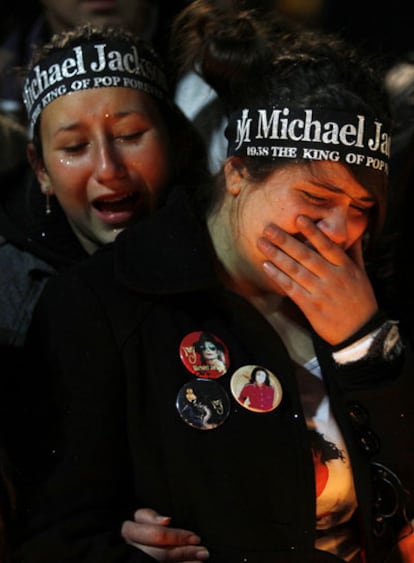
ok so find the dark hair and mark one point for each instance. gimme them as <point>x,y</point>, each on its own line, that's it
<point>255,371</point>
<point>13,137</point>
<point>190,161</point>
<point>250,61</point>
<point>392,266</point>
<point>320,445</point>
<point>207,337</point>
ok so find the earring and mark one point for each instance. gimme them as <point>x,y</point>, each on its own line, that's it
<point>48,208</point>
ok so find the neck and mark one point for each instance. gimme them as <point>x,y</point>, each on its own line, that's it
<point>284,316</point>
<point>234,271</point>
<point>89,246</point>
<point>290,324</point>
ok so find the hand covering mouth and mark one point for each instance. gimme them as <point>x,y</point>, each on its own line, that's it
<point>119,204</point>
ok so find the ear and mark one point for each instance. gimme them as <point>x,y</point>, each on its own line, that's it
<point>235,174</point>
<point>39,169</point>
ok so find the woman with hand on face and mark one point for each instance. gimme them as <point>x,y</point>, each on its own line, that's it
<point>41,20</point>
<point>269,258</point>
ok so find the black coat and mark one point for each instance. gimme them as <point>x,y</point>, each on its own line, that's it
<point>33,246</point>
<point>111,332</point>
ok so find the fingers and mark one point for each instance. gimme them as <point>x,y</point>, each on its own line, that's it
<point>150,533</point>
<point>186,554</point>
<point>320,242</point>
<point>156,535</point>
<point>307,258</point>
<point>149,516</point>
<point>321,277</point>
<point>356,253</point>
<point>290,263</point>
<point>309,251</point>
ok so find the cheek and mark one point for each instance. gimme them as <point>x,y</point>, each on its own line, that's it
<point>69,185</point>
<point>66,171</point>
<point>270,210</point>
<point>356,229</point>
<point>155,162</point>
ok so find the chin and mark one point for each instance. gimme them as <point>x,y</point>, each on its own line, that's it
<point>109,236</point>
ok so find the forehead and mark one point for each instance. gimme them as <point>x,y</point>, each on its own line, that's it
<point>339,178</point>
<point>98,104</point>
<point>334,176</point>
<point>94,98</point>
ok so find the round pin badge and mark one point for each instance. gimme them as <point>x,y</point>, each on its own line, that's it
<point>256,388</point>
<point>204,354</point>
<point>203,404</point>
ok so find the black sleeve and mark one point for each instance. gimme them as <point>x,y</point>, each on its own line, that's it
<point>372,370</point>
<point>74,472</point>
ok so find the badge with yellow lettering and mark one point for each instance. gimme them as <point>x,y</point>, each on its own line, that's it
<point>203,404</point>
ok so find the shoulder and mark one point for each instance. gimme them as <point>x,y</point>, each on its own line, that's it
<point>89,295</point>
<point>92,276</point>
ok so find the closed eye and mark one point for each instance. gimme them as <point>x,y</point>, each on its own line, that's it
<point>314,198</point>
<point>130,137</point>
<point>362,209</point>
<point>74,149</point>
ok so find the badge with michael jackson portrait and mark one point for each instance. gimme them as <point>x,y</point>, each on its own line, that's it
<point>256,388</point>
<point>203,404</point>
<point>204,354</point>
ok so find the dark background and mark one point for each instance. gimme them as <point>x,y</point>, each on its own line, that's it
<point>384,28</point>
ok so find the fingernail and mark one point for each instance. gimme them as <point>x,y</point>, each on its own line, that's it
<point>164,519</point>
<point>202,554</point>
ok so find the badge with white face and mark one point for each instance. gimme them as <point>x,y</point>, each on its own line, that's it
<point>204,354</point>
<point>256,388</point>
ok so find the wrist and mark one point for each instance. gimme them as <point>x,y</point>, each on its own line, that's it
<point>383,342</point>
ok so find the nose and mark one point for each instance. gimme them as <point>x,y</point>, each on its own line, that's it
<point>335,225</point>
<point>108,162</point>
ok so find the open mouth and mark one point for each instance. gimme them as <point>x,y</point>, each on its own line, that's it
<point>122,204</point>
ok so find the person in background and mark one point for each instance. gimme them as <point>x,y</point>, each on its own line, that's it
<point>13,138</point>
<point>268,257</point>
<point>53,16</point>
<point>197,99</point>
